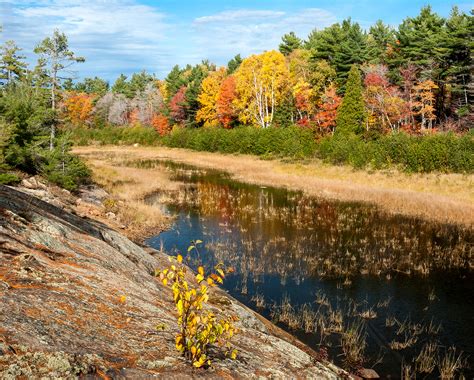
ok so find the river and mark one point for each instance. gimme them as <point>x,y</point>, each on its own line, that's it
<point>368,288</point>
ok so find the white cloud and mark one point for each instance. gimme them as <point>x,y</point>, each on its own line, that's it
<point>251,31</point>
<point>241,14</point>
<point>114,35</point>
<point>124,36</point>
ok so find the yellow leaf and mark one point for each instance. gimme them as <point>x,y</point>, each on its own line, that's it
<point>165,281</point>
<point>199,277</point>
<point>221,272</point>
<point>123,299</point>
<point>190,248</point>
<point>193,350</point>
<point>210,281</point>
<point>233,354</point>
<point>179,258</point>
<point>198,241</point>
<point>201,270</point>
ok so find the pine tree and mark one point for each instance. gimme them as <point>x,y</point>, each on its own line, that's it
<point>234,64</point>
<point>351,113</point>
<point>381,37</point>
<point>12,65</point>
<point>289,43</point>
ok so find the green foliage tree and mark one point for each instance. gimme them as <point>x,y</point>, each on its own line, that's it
<point>351,113</point>
<point>56,56</point>
<point>342,45</point>
<point>234,64</point>
<point>380,40</point>
<point>290,42</point>
<point>174,81</point>
<point>94,85</point>
<point>12,65</point>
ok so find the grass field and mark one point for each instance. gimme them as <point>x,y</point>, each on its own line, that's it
<point>439,197</point>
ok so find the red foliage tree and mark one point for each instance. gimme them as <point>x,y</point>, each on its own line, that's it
<point>326,116</point>
<point>225,109</point>
<point>177,106</point>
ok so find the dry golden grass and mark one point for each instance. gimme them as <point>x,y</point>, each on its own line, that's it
<point>129,188</point>
<point>438,197</point>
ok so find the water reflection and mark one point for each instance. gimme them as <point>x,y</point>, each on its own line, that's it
<point>343,276</point>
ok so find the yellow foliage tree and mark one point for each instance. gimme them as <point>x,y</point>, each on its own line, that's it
<point>199,328</point>
<point>424,93</point>
<point>208,98</point>
<point>261,82</point>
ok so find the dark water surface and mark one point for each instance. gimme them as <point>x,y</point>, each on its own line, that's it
<point>339,264</point>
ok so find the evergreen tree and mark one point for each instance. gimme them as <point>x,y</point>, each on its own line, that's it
<point>381,37</point>
<point>289,43</point>
<point>342,45</point>
<point>460,58</point>
<point>121,86</point>
<point>234,64</point>
<point>352,51</point>
<point>94,85</point>
<point>139,81</point>
<point>351,112</point>
<point>12,65</point>
<point>174,81</point>
<point>198,73</point>
<point>56,56</point>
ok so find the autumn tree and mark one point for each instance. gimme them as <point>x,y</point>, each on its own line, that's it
<point>78,108</point>
<point>351,113</point>
<point>225,102</point>
<point>383,100</point>
<point>260,82</point>
<point>327,112</point>
<point>208,98</point>
<point>161,124</point>
<point>424,104</point>
<point>177,106</point>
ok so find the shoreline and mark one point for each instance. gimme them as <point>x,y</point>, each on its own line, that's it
<point>443,198</point>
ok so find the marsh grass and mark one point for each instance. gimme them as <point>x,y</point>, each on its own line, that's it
<point>440,197</point>
<point>426,359</point>
<point>353,344</point>
<point>450,363</point>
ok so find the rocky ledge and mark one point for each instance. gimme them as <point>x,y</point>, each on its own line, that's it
<point>78,299</point>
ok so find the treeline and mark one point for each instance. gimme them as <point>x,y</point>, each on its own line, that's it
<point>347,89</point>
<point>31,137</point>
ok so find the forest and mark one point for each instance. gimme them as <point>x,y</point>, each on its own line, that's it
<point>379,97</point>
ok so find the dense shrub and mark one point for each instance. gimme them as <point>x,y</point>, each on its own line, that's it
<point>439,152</point>
<point>115,136</point>
<point>445,152</point>
<point>281,142</point>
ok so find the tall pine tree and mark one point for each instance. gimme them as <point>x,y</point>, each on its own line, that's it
<point>351,112</point>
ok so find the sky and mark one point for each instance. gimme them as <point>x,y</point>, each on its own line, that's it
<point>126,36</point>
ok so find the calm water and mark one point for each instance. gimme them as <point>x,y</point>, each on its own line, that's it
<point>400,278</point>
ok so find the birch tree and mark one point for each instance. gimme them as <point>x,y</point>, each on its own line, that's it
<point>260,85</point>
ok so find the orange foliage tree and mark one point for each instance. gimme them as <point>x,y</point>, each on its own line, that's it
<point>78,107</point>
<point>424,104</point>
<point>161,124</point>
<point>225,108</point>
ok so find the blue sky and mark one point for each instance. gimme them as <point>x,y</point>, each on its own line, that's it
<point>125,36</point>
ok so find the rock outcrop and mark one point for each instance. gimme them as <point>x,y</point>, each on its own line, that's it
<point>78,299</point>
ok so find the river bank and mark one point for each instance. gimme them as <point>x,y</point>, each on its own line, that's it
<point>445,198</point>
